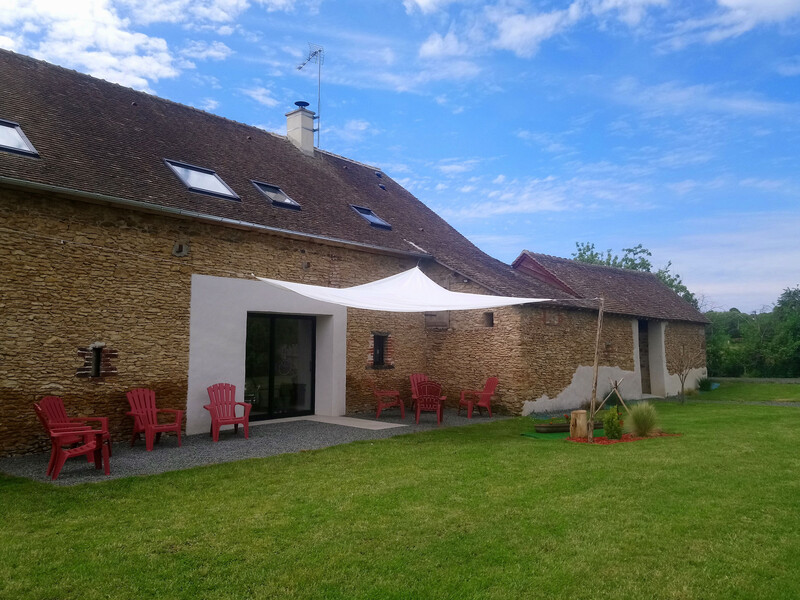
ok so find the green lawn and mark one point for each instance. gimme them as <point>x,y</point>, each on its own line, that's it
<point>759,392</point>
<point>476,512</point>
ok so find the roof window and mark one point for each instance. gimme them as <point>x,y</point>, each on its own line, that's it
<point>198,179</point>
<point>12,139</point>
<point>370,216</point>
<point>276,195</point>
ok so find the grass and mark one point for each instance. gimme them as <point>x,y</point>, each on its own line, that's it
<point>475,512</point>
<point>755,392</point>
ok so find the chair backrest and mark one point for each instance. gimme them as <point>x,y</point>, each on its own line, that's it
<point>53,411</point>
<point>429,394</point>
<point>222,397</point>
<point>143,403</point>
<point>489,388</point>
<point>40,413</point>
<point>416,378</point>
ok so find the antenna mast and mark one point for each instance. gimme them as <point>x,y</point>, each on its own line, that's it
<point>316,53</point>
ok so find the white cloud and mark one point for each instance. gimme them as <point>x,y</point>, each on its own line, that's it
<point>629,11</point>
<point>209,104</point>
<point>353,130</point>
<point>554,194</point>
<point>204,51</point>
<point>453,166</point>
<point>441,47</point>
<point>425,6</point>
<point>738,260</point>
<point>672,97</point>
<point>522,33</point>
<point>89,36</point>
<point>9,43</point>
<point>261,95</point>
<point>789,67</point>
<point>733,18</point>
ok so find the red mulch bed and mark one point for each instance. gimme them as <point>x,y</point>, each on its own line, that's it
<point>626,437</point>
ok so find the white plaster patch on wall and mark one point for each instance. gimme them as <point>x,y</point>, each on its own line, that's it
<point>580,389</point>
<point>674,382</point>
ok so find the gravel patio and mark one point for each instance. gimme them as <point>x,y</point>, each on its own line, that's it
<point>267,438</point>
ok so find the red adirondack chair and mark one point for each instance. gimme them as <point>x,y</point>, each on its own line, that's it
<point>478,398</point>
<point>388,399</point>
<point>416,378</point>
<point>222,406</point>
<point>80,440</point>
<point>145,417</point>
<point>53,416</point>
<point>430,399</point>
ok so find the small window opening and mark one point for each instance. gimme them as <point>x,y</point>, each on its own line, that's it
<point>488,319</point>
<point>276,195</point>
<point>370,216</point>
<point>97,360</point>
<point>12,139</point>
<point>198,179</point>
<point>379,350</point>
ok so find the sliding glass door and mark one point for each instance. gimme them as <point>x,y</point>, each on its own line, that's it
<point>279,365</point>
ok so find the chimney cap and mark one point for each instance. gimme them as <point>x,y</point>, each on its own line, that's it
<point>301,103</point>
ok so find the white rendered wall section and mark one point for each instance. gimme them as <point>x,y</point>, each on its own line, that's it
<point>217,336</point>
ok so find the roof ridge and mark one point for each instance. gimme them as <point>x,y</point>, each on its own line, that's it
<point>593,265</point>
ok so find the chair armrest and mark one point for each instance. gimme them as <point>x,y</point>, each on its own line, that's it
<point>56,435</point>
<point>386,392</point>
<point>102,420</point>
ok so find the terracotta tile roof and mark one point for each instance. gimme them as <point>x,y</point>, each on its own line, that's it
<point>102,138</point>
<point>625,291</point>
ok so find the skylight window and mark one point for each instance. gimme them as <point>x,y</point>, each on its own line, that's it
<point>198,179</point>
<point>276,195</point>
<point>12,139</point>
<point>370,216</point>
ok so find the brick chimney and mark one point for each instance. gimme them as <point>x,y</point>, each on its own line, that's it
<point>300,128</point>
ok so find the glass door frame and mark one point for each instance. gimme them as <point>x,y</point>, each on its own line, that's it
<point>272,365</point>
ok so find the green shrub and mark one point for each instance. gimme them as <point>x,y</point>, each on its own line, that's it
<point>704,384</point>
<point>611,424</point>
<point>643,419</point>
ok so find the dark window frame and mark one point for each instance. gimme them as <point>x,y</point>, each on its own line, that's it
<point>379,223</point>
<point>233,195</point>
<point>379,350</point>
<point>14,125</point>
<point>292,204</point>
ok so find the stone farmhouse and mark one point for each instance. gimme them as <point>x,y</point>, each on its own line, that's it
<point>132,229</point>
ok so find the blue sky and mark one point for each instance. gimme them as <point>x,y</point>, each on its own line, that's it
<point>527,124</point>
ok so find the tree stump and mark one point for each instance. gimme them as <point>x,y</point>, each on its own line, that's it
<point>578,424</point>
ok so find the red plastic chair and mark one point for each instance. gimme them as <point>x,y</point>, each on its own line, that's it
<point>388,399</point>
<point>478,398</point>
<point>222,406</point>
<point>77,441</point>
<point>416,378</point>
<point>54,416</point>
<point>430,399</point>
<point>145,417</point>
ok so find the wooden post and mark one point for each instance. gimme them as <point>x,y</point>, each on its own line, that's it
<point>596,368</point>
<point>577,424</point>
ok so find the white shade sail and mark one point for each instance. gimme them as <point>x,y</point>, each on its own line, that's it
<point>410,291</point>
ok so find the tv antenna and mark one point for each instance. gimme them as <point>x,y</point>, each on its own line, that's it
<point>316,53</point>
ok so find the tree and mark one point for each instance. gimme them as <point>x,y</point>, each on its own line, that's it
<point>635,259</point>
<point>763,344</point>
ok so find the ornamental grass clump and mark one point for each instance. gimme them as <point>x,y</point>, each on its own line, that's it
<point>611,425</point>
<point>643,419</point>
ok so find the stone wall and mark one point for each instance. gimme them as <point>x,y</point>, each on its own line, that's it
<point>557,342</point>
<point>684,345</point>
<point>75,274</point>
